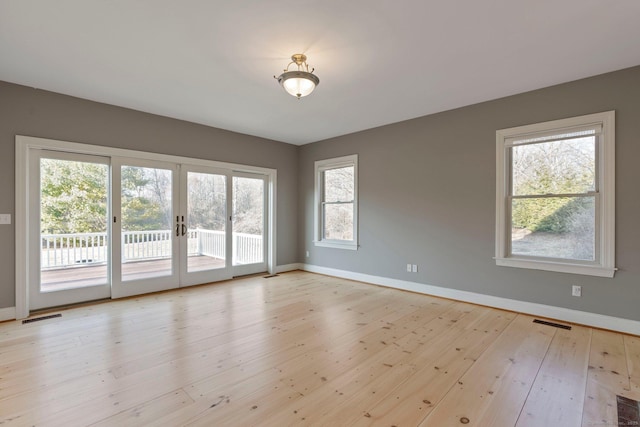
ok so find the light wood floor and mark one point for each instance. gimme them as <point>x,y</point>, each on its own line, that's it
<point>306,349</point>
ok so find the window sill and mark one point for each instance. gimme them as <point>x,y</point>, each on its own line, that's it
<point>337,245</point>
<point>561,267</point>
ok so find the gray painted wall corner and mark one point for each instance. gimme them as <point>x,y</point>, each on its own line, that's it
<point>427,197</point>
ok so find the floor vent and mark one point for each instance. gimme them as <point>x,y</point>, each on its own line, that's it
<point>628,411</point>
<point>270,276</point>
<point>555,325</point>
<point>36,319</point>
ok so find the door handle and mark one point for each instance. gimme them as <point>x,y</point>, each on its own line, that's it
<point>177,230</point>
<point>184,229</point>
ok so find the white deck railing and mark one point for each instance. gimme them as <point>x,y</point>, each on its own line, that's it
<point>66,250</point>
<point>73,249</point>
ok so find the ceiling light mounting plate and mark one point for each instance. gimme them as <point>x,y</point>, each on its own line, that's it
<point>299,59</point>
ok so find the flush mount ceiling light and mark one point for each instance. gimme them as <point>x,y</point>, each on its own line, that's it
<point>300,82</point>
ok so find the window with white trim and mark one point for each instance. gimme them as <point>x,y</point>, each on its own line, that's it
<point>555,189</point>
<point>336,196</point>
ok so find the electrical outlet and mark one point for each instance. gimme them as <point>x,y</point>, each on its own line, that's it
<point>307,254</point>
<point>576,291</point>
<point>409,268</point>
<point>5,218</point>
<point>414,268</point>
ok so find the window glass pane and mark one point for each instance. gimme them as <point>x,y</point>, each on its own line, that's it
<point>339,184</point>
<point>558,167</point>
<point>338,221</point>
<point>556,227</point>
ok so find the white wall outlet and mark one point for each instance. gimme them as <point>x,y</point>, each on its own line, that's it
<point>576,291</point>
<point>409,268</point>
<point>5,218</point>
<point>307,254</point>
<point>414,268</point>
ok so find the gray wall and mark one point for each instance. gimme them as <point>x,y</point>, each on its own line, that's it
<point>427,197</point>
<point>26,111</point>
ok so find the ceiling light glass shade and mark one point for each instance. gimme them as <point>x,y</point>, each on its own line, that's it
<point>298,83</point>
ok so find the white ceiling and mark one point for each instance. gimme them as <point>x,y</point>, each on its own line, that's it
<point>379,61</point>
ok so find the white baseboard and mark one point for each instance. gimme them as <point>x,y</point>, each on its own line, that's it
<point>8,313</point>
<point>289,267</point>
<point>565,314</point>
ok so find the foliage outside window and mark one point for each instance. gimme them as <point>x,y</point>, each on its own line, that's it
<point>555,196</point>
<point>336,200</point>
<point>74,199</point>
<point>73,196</point>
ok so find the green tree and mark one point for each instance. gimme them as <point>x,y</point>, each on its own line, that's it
<point>248,205</point>
<point>207,197</point>
<point>145,204</point>
<point>552,168</point>
<point>73,196</point>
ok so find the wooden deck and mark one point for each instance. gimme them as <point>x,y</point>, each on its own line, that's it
<point>88,275</point>
<point>305,349</point>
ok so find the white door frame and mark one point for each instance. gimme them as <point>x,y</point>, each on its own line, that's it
<point>24,146</point>
<point>75,294</point>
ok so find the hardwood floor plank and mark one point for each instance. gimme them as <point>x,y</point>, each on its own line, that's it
<point>390,388</point>
<point>301,367</point>
<point>142,414</point>
<point>315,349</point>
<point>409,402</point>
<point>557,395</point>
<point>493,390</point>
<point>632,350</point>
<point>391,353</point>
<point>608,376</point>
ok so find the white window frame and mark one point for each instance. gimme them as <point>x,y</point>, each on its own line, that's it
<point>604,264</point>
<point>320,167</point>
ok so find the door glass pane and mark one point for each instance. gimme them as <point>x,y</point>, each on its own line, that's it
<point>73,224</point>
<point>206,221</point>
<point>554,227</point>
<point>248,220</point>
<point>146,219</point>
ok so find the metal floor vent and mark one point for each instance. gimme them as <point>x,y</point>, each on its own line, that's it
<point>555,325</point>
<point>628,411</point>
<point>36,319</point>
<point>270,276</point>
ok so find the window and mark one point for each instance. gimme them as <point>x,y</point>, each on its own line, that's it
<point>555,189</point>
<point>337,202</point>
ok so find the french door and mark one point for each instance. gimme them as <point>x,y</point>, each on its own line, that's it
<point>145,245</point>
<point>204,225</point>
<point>119,226</point>
<point>70,251</point>
<point>249,235</point>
